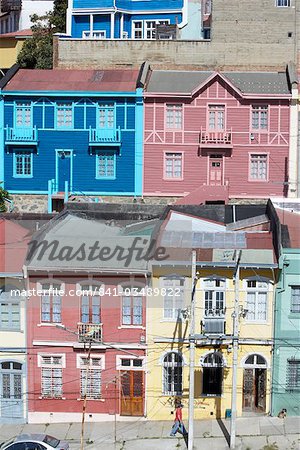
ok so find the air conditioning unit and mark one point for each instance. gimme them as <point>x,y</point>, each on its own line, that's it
<point>214,325</point>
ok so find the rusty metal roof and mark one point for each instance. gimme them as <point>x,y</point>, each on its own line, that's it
<point>118,80</point>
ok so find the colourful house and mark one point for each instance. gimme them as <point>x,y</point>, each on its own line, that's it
<point>10,46</point>
<point>136,19</point>
<point>214,136</point>
<point>71,132</point>
<point>216,235</point>
<point>286,357</point>
<point>86,317</point>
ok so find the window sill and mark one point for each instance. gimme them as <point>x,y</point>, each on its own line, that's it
<point>50,324</point>
<point>171,320</point>
<point>52,398</point>
<point>11,330</point>
<point>23,177</point>
<point>92,399</point>
<point>137,327</point>
<point>173,179</point>
<point>106,178</point>
<point>211,396</point>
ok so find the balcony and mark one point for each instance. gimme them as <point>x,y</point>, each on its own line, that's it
<point>105,136</point>
<point>21,136</point>
<point>215,138</point>
<point>89,332</point>
<point>11,5</point>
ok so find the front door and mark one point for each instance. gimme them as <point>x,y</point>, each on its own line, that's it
<point>64,169</point>
<point>215,175</point>
<point>254,390</point>
<point>11,391</point>
<point>132,393</point>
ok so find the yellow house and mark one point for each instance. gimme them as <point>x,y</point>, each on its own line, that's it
<point>168,320</point>
<point>10,46</point>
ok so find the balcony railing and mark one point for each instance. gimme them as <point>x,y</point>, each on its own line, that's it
<point>216,138</point>
<point>21,135</point>
<point>89,332</point>
<point>214,312</point>
<point>11,5</point>
<point>214,326</point>
<point>105,136</point>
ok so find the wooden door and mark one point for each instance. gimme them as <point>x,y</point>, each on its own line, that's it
<point>248,387</point>
<point>132,393</point>
<point>260,382</point>
<point>215,170</point>
<point>254,390</point>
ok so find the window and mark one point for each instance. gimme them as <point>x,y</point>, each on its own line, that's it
<point>106,165</point>
<point>216,117</point>
<point>257,294</point>
<point>9,311</point>
<point>64,115</point>
<point>212,374</point>
<point>258,167</point>
<point>106,116</point>
<point>22,164</point>
<point>173,298</point>
<point>130,363</point>
<point>259,117</point>
<point>51,303</point>
<point>137,29</point>
<point>132,310</point>
<point>172,374</point>
<point>174,116</point>
<point>283,3</point>
<point>51,366</point>
<point>99,34</point>
<point>214,296</point>
<point>150,26</point>
<point>293,375</point>
<point>90,305</point>
<point>23,114</point>
<point>173,166</point>
<point>295,297</point>
<point>90,377</point>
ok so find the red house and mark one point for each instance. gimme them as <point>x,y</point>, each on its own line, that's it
<point>85,321</point>
<point>216,136</point>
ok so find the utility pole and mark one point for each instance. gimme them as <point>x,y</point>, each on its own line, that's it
<point>235,342</point>
<point>192,356</point>
<point>85,395</point>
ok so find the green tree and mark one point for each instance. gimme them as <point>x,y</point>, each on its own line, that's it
<point>37,52</point>
<point>4,195</point>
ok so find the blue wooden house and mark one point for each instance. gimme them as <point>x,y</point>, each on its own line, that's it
<point>135,19</point>
<point>72,132</point>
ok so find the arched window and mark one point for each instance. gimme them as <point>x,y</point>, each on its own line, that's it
<point>213,365</point>
<point>255,361</point>
<point>172,374</point>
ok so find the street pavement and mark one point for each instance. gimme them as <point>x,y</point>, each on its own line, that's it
<point>253,433</point>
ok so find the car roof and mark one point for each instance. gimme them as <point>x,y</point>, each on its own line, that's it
<point>34,437</point>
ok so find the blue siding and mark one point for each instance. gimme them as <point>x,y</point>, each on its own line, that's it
<point>102,22</point>
<point>117,26</point>
<point>49,116</point>
<point>38,115</point>
<point>92,4</point>
<point>149,5</point>
<point>79,117</point>
<point>80,24</point>
<point>8,115</point>
<point>171,17</point>
<point>90,116</point>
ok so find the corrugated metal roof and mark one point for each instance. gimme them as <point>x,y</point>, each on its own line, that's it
<point>74,80</point>
<point>16,34</point>
<point>185,82</point>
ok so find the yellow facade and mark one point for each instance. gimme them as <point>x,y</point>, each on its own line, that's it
<point>9,50</point>
<point>169,335</point>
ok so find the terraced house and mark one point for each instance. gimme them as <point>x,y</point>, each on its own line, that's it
<point>71,132</point>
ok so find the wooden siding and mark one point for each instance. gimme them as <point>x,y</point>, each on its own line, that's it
<point>274,142</point>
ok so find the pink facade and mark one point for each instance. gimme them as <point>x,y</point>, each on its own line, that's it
<point>216,142</point>
<point>57,379</point>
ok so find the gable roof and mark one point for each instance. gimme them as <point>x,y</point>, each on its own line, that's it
<point>186,83</point>
<point>117,80</point>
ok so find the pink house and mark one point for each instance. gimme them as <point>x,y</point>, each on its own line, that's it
<point>211,136</point>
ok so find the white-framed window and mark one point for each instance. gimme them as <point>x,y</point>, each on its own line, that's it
<point>295,299</point>
<point>64,115</point>
<point>106,165</point>
<point>259,117</point>
<point>130,363</point>
<point>99,34</point>
<point>172,373</point>
<point>174,116</point>
<point>145,29</point>
<point>23,114</point>
<point>51,375</point>
<point>173,166</point>
<point>212,379</point>
<point>216,117</point>
<point>283,3</point>
<point>51,303</point>
<point>132,310</point>
<point>90,304</point>
<point>90,376</point>
<point>173,294</point>
<point>9,310</point>
<point>258,170</point>
<point>293,375</point>
<point>256,303</point>
<point>137,29</point>
<point>106,116</point>
<point>214,296</point>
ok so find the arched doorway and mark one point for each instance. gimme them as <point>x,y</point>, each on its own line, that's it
<point>255,383</point>
<point>11,391</point>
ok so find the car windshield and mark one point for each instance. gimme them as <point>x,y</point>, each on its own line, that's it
<point>50,440</point>
<point>4,444</point>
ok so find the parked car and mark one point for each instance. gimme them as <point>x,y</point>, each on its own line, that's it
<point>34,442</point>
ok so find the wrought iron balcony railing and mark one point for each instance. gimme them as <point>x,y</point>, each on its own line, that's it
<point>89,332</point>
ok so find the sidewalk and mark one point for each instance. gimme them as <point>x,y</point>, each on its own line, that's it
<point>253,433</point>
